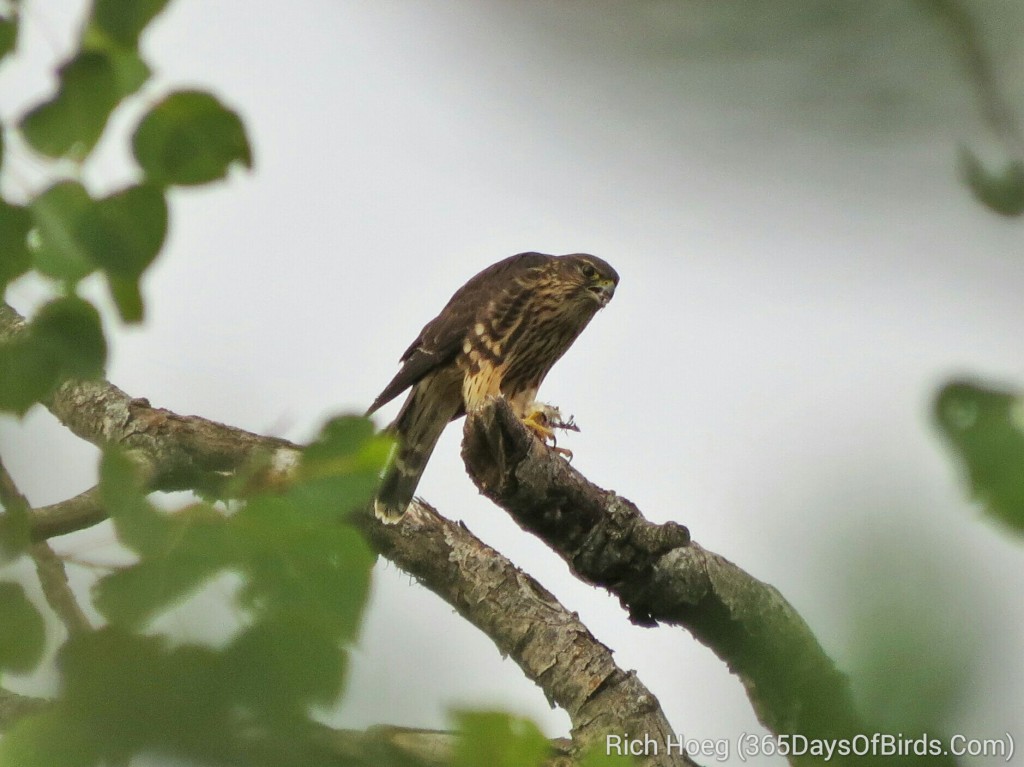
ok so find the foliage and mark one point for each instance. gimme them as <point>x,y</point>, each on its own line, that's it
<point>67,232</point>
<point>498,739</point>
<point>985,428</point>
<point>1003,192</point>
<point>304,573</point>
<point>304,584</point>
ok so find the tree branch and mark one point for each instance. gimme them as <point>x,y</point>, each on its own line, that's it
<point>527,623</point>
<point>78,513</point>
<point>660,576</point>
<point>54,580</point>
<point>523,619</point>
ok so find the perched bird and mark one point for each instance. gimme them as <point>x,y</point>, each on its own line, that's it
<point>498,335</point>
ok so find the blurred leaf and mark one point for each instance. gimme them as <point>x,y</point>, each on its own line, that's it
<point>26,375</point>
<point>1000,192</point>
<point>139,526</point>
<point>69,329</point>
<point>295,560</point>
<point>190,138</point>
<point>15,260</point>
<point>15,528</point>
<point>22,632</point>
<point>72,121</point>
<point>55,243</point>
<point>279,667</point>
<point>341,469</point>
<point>122,234</point>
<point>46,739</point>
<point>127,297</point>
<point>15,534</point>
<point>497,739</point>
<point>124,20</point>
<point>8,35</point>
<point>985,428</point>
<point>196,549</point>
<point>130,71</point>
<point>131,692</point>
<point>64,340</point>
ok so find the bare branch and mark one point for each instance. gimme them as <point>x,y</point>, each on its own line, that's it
<point>78,513</point>
<point>661,577</point>
<point>527,623</point>
<point>523,619</point>
<point>54,580</point>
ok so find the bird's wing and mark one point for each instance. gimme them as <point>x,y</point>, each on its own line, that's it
<point>440,341</point>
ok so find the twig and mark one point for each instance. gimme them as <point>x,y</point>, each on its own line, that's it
<point>54,580</point>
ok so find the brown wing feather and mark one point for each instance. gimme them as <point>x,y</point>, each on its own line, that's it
<point>440,341</point>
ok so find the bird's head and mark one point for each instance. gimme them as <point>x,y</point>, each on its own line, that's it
<point>591,278</point>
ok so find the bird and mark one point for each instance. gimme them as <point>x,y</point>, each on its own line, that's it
<point>498,335</point>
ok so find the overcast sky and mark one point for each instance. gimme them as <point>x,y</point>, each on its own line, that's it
<point>800,270</point>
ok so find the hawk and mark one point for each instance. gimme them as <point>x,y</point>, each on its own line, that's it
<point>498,335</point>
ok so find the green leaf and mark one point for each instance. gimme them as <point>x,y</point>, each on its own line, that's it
<point>195,547</point>
<point>73,120</point>
<point>130,71</point>
<point>139,526</point>
<point>124,20</point>
<point>27,374</point>
<point>999,192</point>
<point>64,340</point>
<point>296,560</point>
<point>190,138</point>
<point>45,739</point>
<point>69,329</point>
<point>15,259</point>
<point>22,632</point>
<point>123,233</point>
<point>280,667</point>
<point>128,298</point>
<point>131,692</point>
<point>8,35</point>
<point>985,427</point>
<point>55,243</point>
<point>341,469</point>
<point>497,739</point>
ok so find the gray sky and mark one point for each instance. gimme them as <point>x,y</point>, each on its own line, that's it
<point>800,271</point>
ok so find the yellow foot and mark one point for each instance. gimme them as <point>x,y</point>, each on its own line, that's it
<point>542,420</point>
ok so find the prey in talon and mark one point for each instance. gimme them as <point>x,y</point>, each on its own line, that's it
<point>499,335</point>
<point>544,419</point>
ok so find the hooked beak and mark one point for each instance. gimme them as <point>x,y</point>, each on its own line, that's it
<point>603,291</point>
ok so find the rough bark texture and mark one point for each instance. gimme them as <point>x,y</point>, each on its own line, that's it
<point>525,621</point>
<point>660,576</point>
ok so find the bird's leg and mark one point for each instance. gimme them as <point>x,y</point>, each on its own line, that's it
<point>542,420</point>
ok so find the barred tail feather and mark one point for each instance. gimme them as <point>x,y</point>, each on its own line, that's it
<point>418,427</point>
<point>396,490</point>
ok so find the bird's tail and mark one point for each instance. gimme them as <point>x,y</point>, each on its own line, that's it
<point>417,429</point>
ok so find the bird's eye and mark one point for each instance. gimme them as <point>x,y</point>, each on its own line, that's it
<point>588,271</point>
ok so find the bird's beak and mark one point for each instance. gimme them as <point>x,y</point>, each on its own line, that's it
<point>603,290</point>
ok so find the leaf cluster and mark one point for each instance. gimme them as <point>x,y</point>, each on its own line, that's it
<point>66,232</point>
<point>304,582</point>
